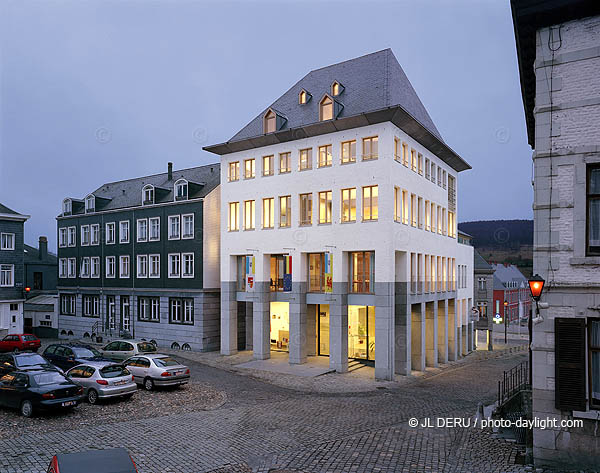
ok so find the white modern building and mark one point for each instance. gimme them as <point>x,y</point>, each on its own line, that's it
<point>339,226</point>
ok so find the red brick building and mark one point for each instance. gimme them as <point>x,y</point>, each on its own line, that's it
<point>511,286</point>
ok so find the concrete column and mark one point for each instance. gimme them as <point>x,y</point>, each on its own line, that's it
<point>338,328</point>
<point>452,345</point>
<point>403,330</point>
<point>311,329</point>
<point>229,314</point>
<point>261,321</point>
<point>442,319</point>
<point>418,330</point>
<point>249,313</point>
<point>384,330</point>
<point>431,334</point>
<point>298,348</point>
<point>465,340</point>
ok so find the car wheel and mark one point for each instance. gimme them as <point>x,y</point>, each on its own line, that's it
<point>92,396</point>
<point>26,409</point>
<point>148,384</point>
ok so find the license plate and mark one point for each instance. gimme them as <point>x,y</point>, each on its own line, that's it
<point>119,383</point>
<point>68,403</point>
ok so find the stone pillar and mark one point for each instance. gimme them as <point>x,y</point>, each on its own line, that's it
<point>249,312</point>
<point>311,329</point>
<point>384,330</point>
<point>452,342</point>
<point>465,340</point>
<point>261,321</point>
<point>229,341</point>
<point>338,328</point>
<point>431,334</point>
<point>403,330</point>
<point>442,318</point>
<point>298,349</point>
<point>418,330</point>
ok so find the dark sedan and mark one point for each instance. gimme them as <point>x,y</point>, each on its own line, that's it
<point>66,356</point>
<point>23,361</point>
<point>34,390</point>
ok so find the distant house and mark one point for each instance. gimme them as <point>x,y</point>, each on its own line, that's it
<point>484,294</point>
<point>510,286</point>
<point>41,268</point>
<point>40,315</point>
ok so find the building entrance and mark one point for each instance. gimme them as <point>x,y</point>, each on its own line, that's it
<point>361,331</point>
<point>280,326</point>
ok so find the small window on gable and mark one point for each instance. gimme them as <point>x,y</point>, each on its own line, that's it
<point>326,109</point>
<point>270,122</point>
<point>304,97</point>
<point>181,190</point>
<point>90,203</point>
<point>67,206</point>
<point>336,88</point>
<point>148,195</point>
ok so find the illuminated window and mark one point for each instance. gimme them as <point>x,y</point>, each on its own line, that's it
<point>349,205</point>
<point>234,171</point>
<point>285,211</point>
<point>325,207</point>
<point>405,154</point>
<point>348,151</point>
<point>305,209</point>
<point>427,216</point>
<point>335,89</point>
<point>397,150</point>
<point>397,204</point>
<point>234,216</point>
<point>305,159</point>
<point>433,173</point>
<point>302,97</point>
<point>420,163</point>
<point>405,208</point>
<point>413,210</point>
<point>267,165</point>
<point>326,109</point>
<point>370,148</point>
<point>420,212</point>
<point>270,122</point>
<point>249,168</point>
<point>285,162</point>
<point>370,202</point>
<point>427,168</point>
<point>362,271</point>
<point>413,160</point>
<point>433,215</point>
<point>269,212</point>
<point>325,156</point>
<point>249,216</point>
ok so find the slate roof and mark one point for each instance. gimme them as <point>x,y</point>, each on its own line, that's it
<point>480,263</point>
<point>504,274</point>
<point>128,193</point>
<point>32,256</point>
<point>5,210</point>
<point>371,82</point>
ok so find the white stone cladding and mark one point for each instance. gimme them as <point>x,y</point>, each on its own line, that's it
<point>211,239</point>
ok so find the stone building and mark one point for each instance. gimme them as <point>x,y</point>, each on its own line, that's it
<point>558,47</point>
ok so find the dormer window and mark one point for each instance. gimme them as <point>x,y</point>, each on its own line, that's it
<point>67,207</point>
<point>304,97</point>
<point>181,190</point>
<point>270,122</point>
<point>90,203</point>
<point>326,109</point>
<point>148,195</point>
<point>336,89</point>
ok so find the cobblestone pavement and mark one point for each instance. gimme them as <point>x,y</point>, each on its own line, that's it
<point>263,427</point>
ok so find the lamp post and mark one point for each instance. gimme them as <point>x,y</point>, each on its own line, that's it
<point>536,286</point>
<point>505,326</point>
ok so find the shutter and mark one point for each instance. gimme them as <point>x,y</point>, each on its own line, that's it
<point>569,352</point>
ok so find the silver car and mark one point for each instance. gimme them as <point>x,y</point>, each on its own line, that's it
<point>102,380</point>
<point>119,350</point>
<point>155,369</point>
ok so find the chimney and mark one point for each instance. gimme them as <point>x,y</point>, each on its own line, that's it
<point>170,171</point>
<point>43,248</point>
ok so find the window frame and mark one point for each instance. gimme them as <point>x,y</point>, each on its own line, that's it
<point>110,261</point>
<point>186,274</point>
<point>250,173</point>
<point>181,183</point>
<point>95,263</point>
<point>287,156</point>
<point>305,222</point>
<point>124,224</point>
<point>151,274</point>
<point>363,282</point>
<point>236,207</point>
<point>288,209</point>
<point>371,206</point>
<point>235,176</point>
<point>590,350</point>
<point>183,303</point>
<point>148,194</point>
<point>12,240</point>
<point>140,266</point>
<point>124,259</point>
<point>350,206</point>
<point>328,195</point>
<point>351,155</point>
<point>113,240</point>
<point>63,237</point>
<point>268,213</point>
<point>85,230</point>
<point>170,233</point>
<point>308,160</point>
<point>139,237</point>
<point>249,222</point>
<point>268,170</point>
<point>171,257</point>
<point>10,270</point>
<point>373,140</point>
<point>326,108</point>
<point>188,236</point>
<point>327,151</point>
<point>589,249</point>
<point>151,220</point>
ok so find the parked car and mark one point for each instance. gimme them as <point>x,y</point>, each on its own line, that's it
<point>68,355</point>
<point>102,380</point>
<point>20,342</point>
<point>24,361</point>
<point>157,370</point>
<point>114,460</point>
<point>38,389</point>
<point>122,349</point>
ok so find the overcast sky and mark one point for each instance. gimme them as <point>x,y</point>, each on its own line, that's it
<point>99,91</point>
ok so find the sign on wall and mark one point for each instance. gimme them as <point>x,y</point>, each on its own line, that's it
<point>250,273</point>
<point>287,274</point>
<point>328,272</point>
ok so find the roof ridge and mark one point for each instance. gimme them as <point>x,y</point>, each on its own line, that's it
<point>350,60</point>
<point>157,174</point>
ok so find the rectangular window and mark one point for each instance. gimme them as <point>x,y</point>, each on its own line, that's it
<point>370,205</point>
<point>142,230</point>
<point>444,179</point>
<point>7,241</point>
<point>91,306</point>
<point>95,262</point>
<point>124,266</point>
<point>154,224</point>
<point>234,216</point>
<point>433,215</point>
<point>267,163</point>
<point>370,148</point>
<point>174,227</point>
<point>85,235</point>
<point>149,309</point>
<point>405,208</point>
<point>249,168</point>
<point>305,209</point>
<point>397,150</point>
<point>285,211</point>
<point>62,268</point>
<point>349,205</point>
<point>187,265</point>
<point>325,207</point>
<point>84,271</point>
<point>95,234</point>
<point>7,272</point>
<point>433,167</point>
<point>427,216</point>
<point>439,220</point>
<point>181,310</point>
<point>187,222</point>
<point>110,267</point>
<point>594,362</point>
<point>110,233</point>
<point>249,215</point>
<point>142,266</point>
<point>154,271</point>
<point>305,159</point>
<point>593,210</point>
<point>72,236</point>
<point>124,231</point>
<point>125,313</point>
<point>233,172</point>
<point>111,313</point>
<point>439,176</point>
<point>451,193</point>
<point>316,272</point>
<point>362,271</point>
<point>62,237</point>
<point>405,154</point>
<point>349,151</point>
<point>148,195</point>
<point>325,156</point>
<point>420,163</point>
<point>413,160</point>
<point>413,210</point>
<point>397,204</point>
<point>67,304</point>
<point>451,225</point>
<point>72,267</point>
<point>268,216</point>
<point>285,163</point>
<point>482,284</point>
<point>427,168</point>
<point>420,212</point>
<point>174,265</point>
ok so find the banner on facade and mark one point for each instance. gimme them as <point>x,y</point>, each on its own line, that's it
<point>287,274</point>
<point>250,270</point>
<point>328,272</point>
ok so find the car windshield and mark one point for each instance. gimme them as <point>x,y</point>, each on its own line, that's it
<point>29,360</point>
<point>84,352</point>
<point>166,361</point>
<point>113,371</point>
<point>51,377</point>
<point>146,347</point>
<point>29,338</point>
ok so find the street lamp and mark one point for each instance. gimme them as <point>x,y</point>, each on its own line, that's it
<point>505,326</point>
<point>536,286</point>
